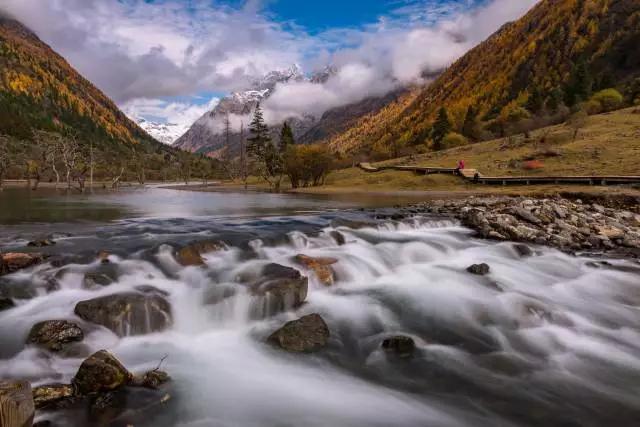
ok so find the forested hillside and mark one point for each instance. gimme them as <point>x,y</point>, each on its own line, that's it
<point>52,119</point>
<point>558,55</point>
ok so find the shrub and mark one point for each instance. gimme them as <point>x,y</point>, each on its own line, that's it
<point>609,99</point>
<point>452,140</point>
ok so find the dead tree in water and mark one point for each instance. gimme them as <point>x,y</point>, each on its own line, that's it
<point>70,150</point>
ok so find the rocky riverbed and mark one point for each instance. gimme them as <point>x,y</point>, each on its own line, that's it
<point>484,311</point>
<point>570,225</point>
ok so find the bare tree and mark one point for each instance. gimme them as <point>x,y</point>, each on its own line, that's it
<point>4,158</point>
<point>70,151</point>
<point>50,144</point>
<point>138,166</point>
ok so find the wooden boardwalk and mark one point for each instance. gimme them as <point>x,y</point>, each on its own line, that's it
<point>474,176</point>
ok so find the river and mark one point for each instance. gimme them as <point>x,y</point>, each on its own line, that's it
<point>542,340</point>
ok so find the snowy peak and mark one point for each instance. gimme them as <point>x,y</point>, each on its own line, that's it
<point>167,133</point>
<point>271,79</point>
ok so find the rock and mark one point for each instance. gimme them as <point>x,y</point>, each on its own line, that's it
<point>526,215</point>
<point>102,276</point>
<point>6,303</point>
<point>41,243</point>
<point>352,223</point>
<point>16,404</point>
<point>305,335</point>
<point>191,255</point>
<point>399,345</point>
<point>54,335</point>
<point>338,237</point>
<point>101,372</point>
<point>152,379</point>
<point>103,257</point>
<point>11,262</point>
<point>279,289</point>
<point>320,266</point>
<point>51,395</point>
<point>127,313</point>
<point>523,250</point>
<point>479,269</point>
<point>611,232</point>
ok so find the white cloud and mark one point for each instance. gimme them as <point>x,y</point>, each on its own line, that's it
<point>179,113</point>
<point>138,51</point>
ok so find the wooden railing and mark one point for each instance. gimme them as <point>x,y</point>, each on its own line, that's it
<point>474,176</point>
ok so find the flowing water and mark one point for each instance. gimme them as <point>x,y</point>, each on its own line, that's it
<point>544,340</point>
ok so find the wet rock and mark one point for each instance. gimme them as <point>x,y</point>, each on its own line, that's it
<point>523,250</point>
<point>320,266</point>
<point>41,243</point>
<point>191,255</point>
<point>526,215</point>
<point>102,276</point>
<point>338,237</point>
<point>55,335</point>
<point>53,396</point>
<point>103,257</point>
<point>307,334</point>
<point>399,345</point>
<point>44,423</point>
<point>126,407</point>
<point>16,404</point>
<point>279,289</point>
<point>11,262</point>
<point>479,269</point>
<point>152,379</point>
<point>127,313</point>
<point>101,372</point>
<point>151,290</point>
<point>6,303</point>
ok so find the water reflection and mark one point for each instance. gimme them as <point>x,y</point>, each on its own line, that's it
<point>19,205</point>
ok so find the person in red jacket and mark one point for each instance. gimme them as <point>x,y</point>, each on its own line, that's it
<point>461,165</point>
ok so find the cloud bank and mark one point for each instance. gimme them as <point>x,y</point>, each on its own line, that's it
<point>142,53</point>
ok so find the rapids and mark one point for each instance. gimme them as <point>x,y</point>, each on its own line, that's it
<point>545,340</point>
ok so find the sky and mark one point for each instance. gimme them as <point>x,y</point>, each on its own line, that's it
<point>171,60</point>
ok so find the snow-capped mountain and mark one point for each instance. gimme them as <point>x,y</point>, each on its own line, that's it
<point>207,133</point>
<point>166,133</point>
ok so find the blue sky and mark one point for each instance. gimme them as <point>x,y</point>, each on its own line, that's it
<point>168,60</point>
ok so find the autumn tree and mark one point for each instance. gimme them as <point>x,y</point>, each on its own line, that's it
<point>441,128</point>
<point>535,102</point>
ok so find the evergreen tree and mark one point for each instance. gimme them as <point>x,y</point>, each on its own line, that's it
<point>470,125</point>
<point>555,99</point>
<point>441,128</point>
<point>259,140</point>
<point>535,103</point>
<point>286,137</point>
<point>580,84</point>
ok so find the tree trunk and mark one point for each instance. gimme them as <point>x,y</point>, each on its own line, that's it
<point>55,171</point>
<point>16,404</point>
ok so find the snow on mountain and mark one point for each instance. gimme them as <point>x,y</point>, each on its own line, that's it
<point>167,133</point>
<point>206,134</point>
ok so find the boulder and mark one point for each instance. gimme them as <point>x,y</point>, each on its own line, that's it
<point>103,275</point>
<point>52,396</point>
<point>320,266</point>
<point>41,243</point>
<point>6,303</point>
<point>11,262</point>
<point>55,335</point>
<point>152,379</point>
<point>278,289</point>
<point>523,250</point>
<point>101,372</point>
<point>103,257</point>
<point>307,334</point>
<point>338,237</point>
<point>399,345</point>
<point>479,269</point>
<point>191,255</point>
<point>127,313</point>
<point>16,404</point>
